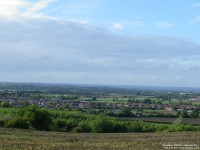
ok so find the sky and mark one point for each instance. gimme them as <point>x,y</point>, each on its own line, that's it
<point>114,42</point>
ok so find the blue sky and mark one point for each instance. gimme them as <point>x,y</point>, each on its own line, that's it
<point>155,17</point>
<point>101,42</point>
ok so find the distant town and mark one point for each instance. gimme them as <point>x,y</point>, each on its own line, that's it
<point>97,99</point>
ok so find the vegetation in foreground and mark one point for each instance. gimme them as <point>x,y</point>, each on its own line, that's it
<point>31,139</point>
<point>33,117</point>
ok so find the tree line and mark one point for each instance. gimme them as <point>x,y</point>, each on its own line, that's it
<point>33,117</point>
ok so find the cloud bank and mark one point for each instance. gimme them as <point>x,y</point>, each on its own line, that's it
<point>51,50</point>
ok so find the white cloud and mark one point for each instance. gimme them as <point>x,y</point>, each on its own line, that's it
<point>117,26</point>
<point>36,7</point>
<point>10,8</point>
<point>16,8</point>
<point>164,24</point>
<point>46,50</point>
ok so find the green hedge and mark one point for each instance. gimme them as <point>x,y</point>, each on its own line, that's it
<point>33,117</point>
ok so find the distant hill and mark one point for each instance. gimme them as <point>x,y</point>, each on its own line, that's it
<point>90,87</point>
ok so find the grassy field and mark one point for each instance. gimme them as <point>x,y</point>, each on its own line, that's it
<point>13,139</point>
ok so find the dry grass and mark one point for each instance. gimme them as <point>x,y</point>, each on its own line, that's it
<point>11,139</point>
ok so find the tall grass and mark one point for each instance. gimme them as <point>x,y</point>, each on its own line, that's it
<point>16,139</point>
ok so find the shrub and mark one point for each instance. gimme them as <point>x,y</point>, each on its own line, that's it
<point>102,124</point>
<point>161,127</point>
<point>5,105</point>
<point>70,124</point>
<point>1,123</point>
<point>148,127</point>
<point>83,126</point>
<point>125,112</point>
<point>136,126</point>
<point>61,123</point>
<point>30,117</point>
<point>194,114</point>
<point>38,118</point>
<point>119,127</point>
<point>18,122</point>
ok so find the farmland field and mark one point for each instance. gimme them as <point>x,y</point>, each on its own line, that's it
<point>194,121</point>
<point>31,139</point>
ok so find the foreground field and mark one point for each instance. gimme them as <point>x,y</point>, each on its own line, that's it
<point>29,139</point>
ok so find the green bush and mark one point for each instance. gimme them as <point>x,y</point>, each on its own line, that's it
<point>5,105</point>
<point>194,114</point>
<point>61,123</point>
<point>102,125</point>
<point>181,128</point>
<point>18,122</point>
<point>1,123</point>
<point>125,112</point>
<point>161,127</point>
<point>33,117</point>
<point>149,127</point>
<point>38,118</point>
<point>119,127</point>
<point>136,126</point>
<point>30,117</point>
<point>71,124</point>
<point>83,126</point>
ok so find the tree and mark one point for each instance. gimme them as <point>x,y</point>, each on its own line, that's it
<point>147,101</point>
<point>178,113</point>
<point>5,104</point>
<point>194,114</point>
<point>125,112</point>
<point>136,126</point>
<point>102,124</point>
<point>94,98</point>
<point>24,103</point>
<point>31,117</point>
<point>184,114</point>
<point>83,126</point>
<point>18,122</point>
<point>38,118</point>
